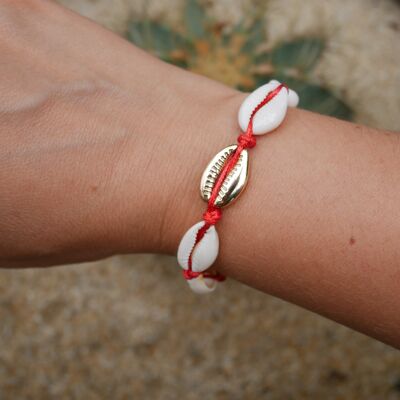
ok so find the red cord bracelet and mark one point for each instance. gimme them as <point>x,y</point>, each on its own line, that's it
<point>224,179</point>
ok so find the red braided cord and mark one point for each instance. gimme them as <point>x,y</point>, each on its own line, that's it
<point>213,213</point>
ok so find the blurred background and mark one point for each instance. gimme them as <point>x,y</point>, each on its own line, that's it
<point>111,330</point>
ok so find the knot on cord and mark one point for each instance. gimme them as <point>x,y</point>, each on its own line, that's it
<point>212,215</point>
<point>246,141</point>
<point>188,274</point>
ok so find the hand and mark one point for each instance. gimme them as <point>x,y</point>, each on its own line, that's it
<point>90,130</point>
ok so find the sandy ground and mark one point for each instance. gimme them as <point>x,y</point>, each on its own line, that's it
<point>110,330</point>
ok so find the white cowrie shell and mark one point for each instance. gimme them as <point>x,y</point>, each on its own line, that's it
<point>271,116</point>
<point>204,253</point>
<point>202,285</point>
<point>293,98</point>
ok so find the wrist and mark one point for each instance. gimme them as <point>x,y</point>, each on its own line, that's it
<point>168,147</point>
<point>210,126</point>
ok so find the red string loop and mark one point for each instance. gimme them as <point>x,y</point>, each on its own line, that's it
<point>188,274</point>
<point>212,215</point>
<point>246,141</point>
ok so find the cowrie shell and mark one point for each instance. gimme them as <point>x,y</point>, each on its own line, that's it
<point>272,114</point>
<point>234,182</point>
<point>204,253</point>
<point>202,285</point>
<point>293,97</point>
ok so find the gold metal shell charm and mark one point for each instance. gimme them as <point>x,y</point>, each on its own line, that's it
<point>233,184</point>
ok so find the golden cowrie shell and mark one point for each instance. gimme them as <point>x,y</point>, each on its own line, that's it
<point>234,182</point>
<point>203,253</point>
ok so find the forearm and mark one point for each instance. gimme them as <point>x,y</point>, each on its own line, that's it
<point>103,147</point>
<point>86,121</point>
<point>318,224</point>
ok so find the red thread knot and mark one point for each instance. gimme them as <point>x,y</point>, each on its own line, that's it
<point>188,274</point>
<point>246,141</point>
<point>212,215</point>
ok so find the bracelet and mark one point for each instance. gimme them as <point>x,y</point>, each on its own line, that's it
<point>224,179</point>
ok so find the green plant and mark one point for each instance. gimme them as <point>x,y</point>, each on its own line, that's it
<point>236,57</point>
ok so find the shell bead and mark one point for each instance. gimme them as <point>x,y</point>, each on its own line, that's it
<point>267,118</point>
<point>203,253</point>
<point>293,98</point>
<point>202,285</point>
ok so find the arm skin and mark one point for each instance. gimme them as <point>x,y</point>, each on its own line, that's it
<point>101,151</point>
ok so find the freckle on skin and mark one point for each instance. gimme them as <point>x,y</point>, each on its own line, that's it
<point>352,241</point>
<point>94,188</point>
